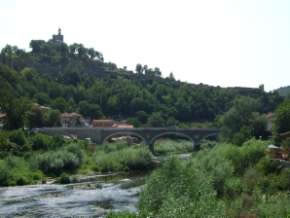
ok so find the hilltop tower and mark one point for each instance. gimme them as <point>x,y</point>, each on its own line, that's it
<point>58,38</point>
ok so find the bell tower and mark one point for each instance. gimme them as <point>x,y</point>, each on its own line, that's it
<point>58,38</point>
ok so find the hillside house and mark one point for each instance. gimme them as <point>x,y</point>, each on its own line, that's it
<point>71,120</point>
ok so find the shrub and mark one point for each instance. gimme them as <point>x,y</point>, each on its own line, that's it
<point>64,179</point>
<point>124,159</point>
<point>282,121</point>
<point>66,160</point>
<point>268,166</point>
<point>183,191</point>
<point>247,155</point>
<point>166,146</point>
<point>111,147</point>
<point>16,171</point>
<point>276,205</point>
<point>41,142</point>
<point>18,137</point>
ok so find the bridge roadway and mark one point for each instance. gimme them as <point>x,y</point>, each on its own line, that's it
<point>148,135</point>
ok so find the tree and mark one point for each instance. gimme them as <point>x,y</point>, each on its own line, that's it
<point>34,117</point>
<point>42,98</point>
<point>237,123</point>
<point>156,120</point>
<point>90,110</point>
<point>139,69</point>
<point>52,118</point>
<point>282,122</point>
<point>15,110</point>
<point>142,116</point>
<point>60,104</point>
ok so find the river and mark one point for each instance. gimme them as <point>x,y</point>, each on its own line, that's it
<point>87,199</point>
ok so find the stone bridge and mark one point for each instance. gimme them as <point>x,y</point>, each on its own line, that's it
<point>147,135</point>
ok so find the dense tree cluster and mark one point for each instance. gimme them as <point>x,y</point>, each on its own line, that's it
<point>71,78</point>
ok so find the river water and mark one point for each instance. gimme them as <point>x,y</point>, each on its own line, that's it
<point>86,199</point>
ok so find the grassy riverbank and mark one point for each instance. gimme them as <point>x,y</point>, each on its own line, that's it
<point>34,158</point>
<point>224,181</point>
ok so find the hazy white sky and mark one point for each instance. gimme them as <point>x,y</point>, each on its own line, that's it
<point>216,42</point>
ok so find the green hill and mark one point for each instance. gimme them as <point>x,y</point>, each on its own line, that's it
<point>72,78</point>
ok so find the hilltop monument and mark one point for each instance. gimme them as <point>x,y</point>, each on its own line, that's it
<point>58,38</point>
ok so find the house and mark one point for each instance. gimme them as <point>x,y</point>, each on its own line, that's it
<point>71,120</point>
<point>3,117</point>
<point>110,124</point>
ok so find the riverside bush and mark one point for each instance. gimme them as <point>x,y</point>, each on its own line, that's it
<point>215,184</point>
<point>66,160</point>
<point>17,137</point>
<point>16,171</point>
<point>123,160</point>
<point>166,146</point>
<point>183,191</point>
<point>41,142</point>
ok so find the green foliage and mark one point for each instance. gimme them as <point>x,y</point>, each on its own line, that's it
<point>41,142</point>
<point>123,159</point>
<point>60,104</point>
<point>183,191</point>
<point>90,110</point>
<point>51,118</point>
<point>67,159</point>
<point>156,120</point>
<point>17,137</point>
<point>64,179</point>
<point>243,121</point>
<point>274,206</point>
<point>282,121</point>
<point>16,171</point>
<point>168,146</point>
<point>268,166</point>
<point>122,215</point>
<point>76,78</point>
<point>224,180</point>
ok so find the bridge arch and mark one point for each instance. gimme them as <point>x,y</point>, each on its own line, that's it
<point>154,139</point>
<point>118,134</point>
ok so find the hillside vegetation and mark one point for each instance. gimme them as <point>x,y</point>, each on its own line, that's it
<point>72,78</point>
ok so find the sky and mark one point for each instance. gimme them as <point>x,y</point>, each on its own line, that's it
<point>216,42</point>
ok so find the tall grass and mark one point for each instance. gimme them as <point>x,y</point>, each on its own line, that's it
<point>169,146</point>
<point>53,163</point>
<point>126,159</point>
